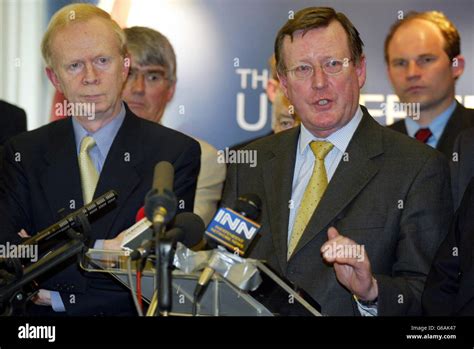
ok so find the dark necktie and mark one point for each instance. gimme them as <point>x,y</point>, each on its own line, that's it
<point>423,134</point>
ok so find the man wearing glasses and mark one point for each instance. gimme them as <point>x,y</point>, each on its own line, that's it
<point>359,210</point>
<point>150,86</point>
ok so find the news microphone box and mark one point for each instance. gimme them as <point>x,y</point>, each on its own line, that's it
<point>136,234</point>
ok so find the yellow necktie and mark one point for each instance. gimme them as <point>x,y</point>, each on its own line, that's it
<point>89,174</point>
<point>313,193</point>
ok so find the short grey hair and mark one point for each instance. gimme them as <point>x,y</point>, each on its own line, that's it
<point>150,47</point>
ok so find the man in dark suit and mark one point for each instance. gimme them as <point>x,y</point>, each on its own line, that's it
<point>462,167</point>
<point>12,122</point>
<point>423,56</point>
<point>449,288</point>
<point>352,212</point>
<point>69,162</point>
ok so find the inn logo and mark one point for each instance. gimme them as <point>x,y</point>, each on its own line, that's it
<point>37,332</point>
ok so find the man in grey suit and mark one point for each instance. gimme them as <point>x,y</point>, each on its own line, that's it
<point>352,212</point>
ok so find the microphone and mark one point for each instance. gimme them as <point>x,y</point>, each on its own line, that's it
<point>188,229</point>
<point>89,211</point>
<point>236,228</point>
<point>161,202</point>
<point>233,230</point>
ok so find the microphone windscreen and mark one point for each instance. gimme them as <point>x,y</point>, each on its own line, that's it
<point>192,226</point>
<point>163,176</point>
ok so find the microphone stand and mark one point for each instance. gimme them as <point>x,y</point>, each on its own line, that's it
<point>13,296</point>
<point>161,300</point>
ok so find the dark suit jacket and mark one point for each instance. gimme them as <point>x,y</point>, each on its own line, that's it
<point>42,176</point>
<point>461,119</point>
<point>449,287</point>
<point>392,195</point>
<point>462,170</point>
<point>12,122</point>
<point>245,143</point>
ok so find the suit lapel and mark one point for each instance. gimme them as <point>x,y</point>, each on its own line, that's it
<point>120,171</point>
<point>351,176</point>
<point>456,123</point>
<point>278,181</point>
<point>61,179</point>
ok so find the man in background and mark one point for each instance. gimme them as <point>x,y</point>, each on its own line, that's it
<point>424,61</point>
<point>151,84</point>
<point>284,115</point>
<point>12,122</point>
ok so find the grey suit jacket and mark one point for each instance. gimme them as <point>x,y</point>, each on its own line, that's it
<point>392,195</point>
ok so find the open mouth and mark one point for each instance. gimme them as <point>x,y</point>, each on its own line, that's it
<point>323,103</point>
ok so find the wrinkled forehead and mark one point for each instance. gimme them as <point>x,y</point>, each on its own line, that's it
<point>85,38</point>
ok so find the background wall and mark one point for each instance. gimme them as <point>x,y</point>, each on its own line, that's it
<point>223,47</point>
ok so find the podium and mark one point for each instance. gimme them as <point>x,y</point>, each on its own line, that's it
<point>274,297</point>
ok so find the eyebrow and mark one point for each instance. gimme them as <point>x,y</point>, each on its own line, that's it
<point>419,56</point>
<point>150,70</point>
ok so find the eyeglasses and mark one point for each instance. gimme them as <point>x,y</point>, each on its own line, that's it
<point>330,67</point>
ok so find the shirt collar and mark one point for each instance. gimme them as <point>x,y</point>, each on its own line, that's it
<point>436,126</point>
<point>340,139</point>
<point>104,136</point>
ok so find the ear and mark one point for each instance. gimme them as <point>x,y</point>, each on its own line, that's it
<point>283,83</point>
<point>457,66</point>
<point>361,71</point>
<point>272,88</point>
<point>54,79</point>
<point>171,91</point>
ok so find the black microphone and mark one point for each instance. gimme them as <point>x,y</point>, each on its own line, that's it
<point>249,206</point>
<point>160,202</point>
<point>70,221</point>
<point>188,228</point>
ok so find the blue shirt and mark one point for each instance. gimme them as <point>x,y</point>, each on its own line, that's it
<point>104,137</point>
<point>305,161</point>
<point>436,126</point>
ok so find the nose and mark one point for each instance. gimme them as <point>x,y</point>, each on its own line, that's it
<point>319,78</point>
<point>90,76</point>
<point>413,71</point>
<point>138,84</point>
